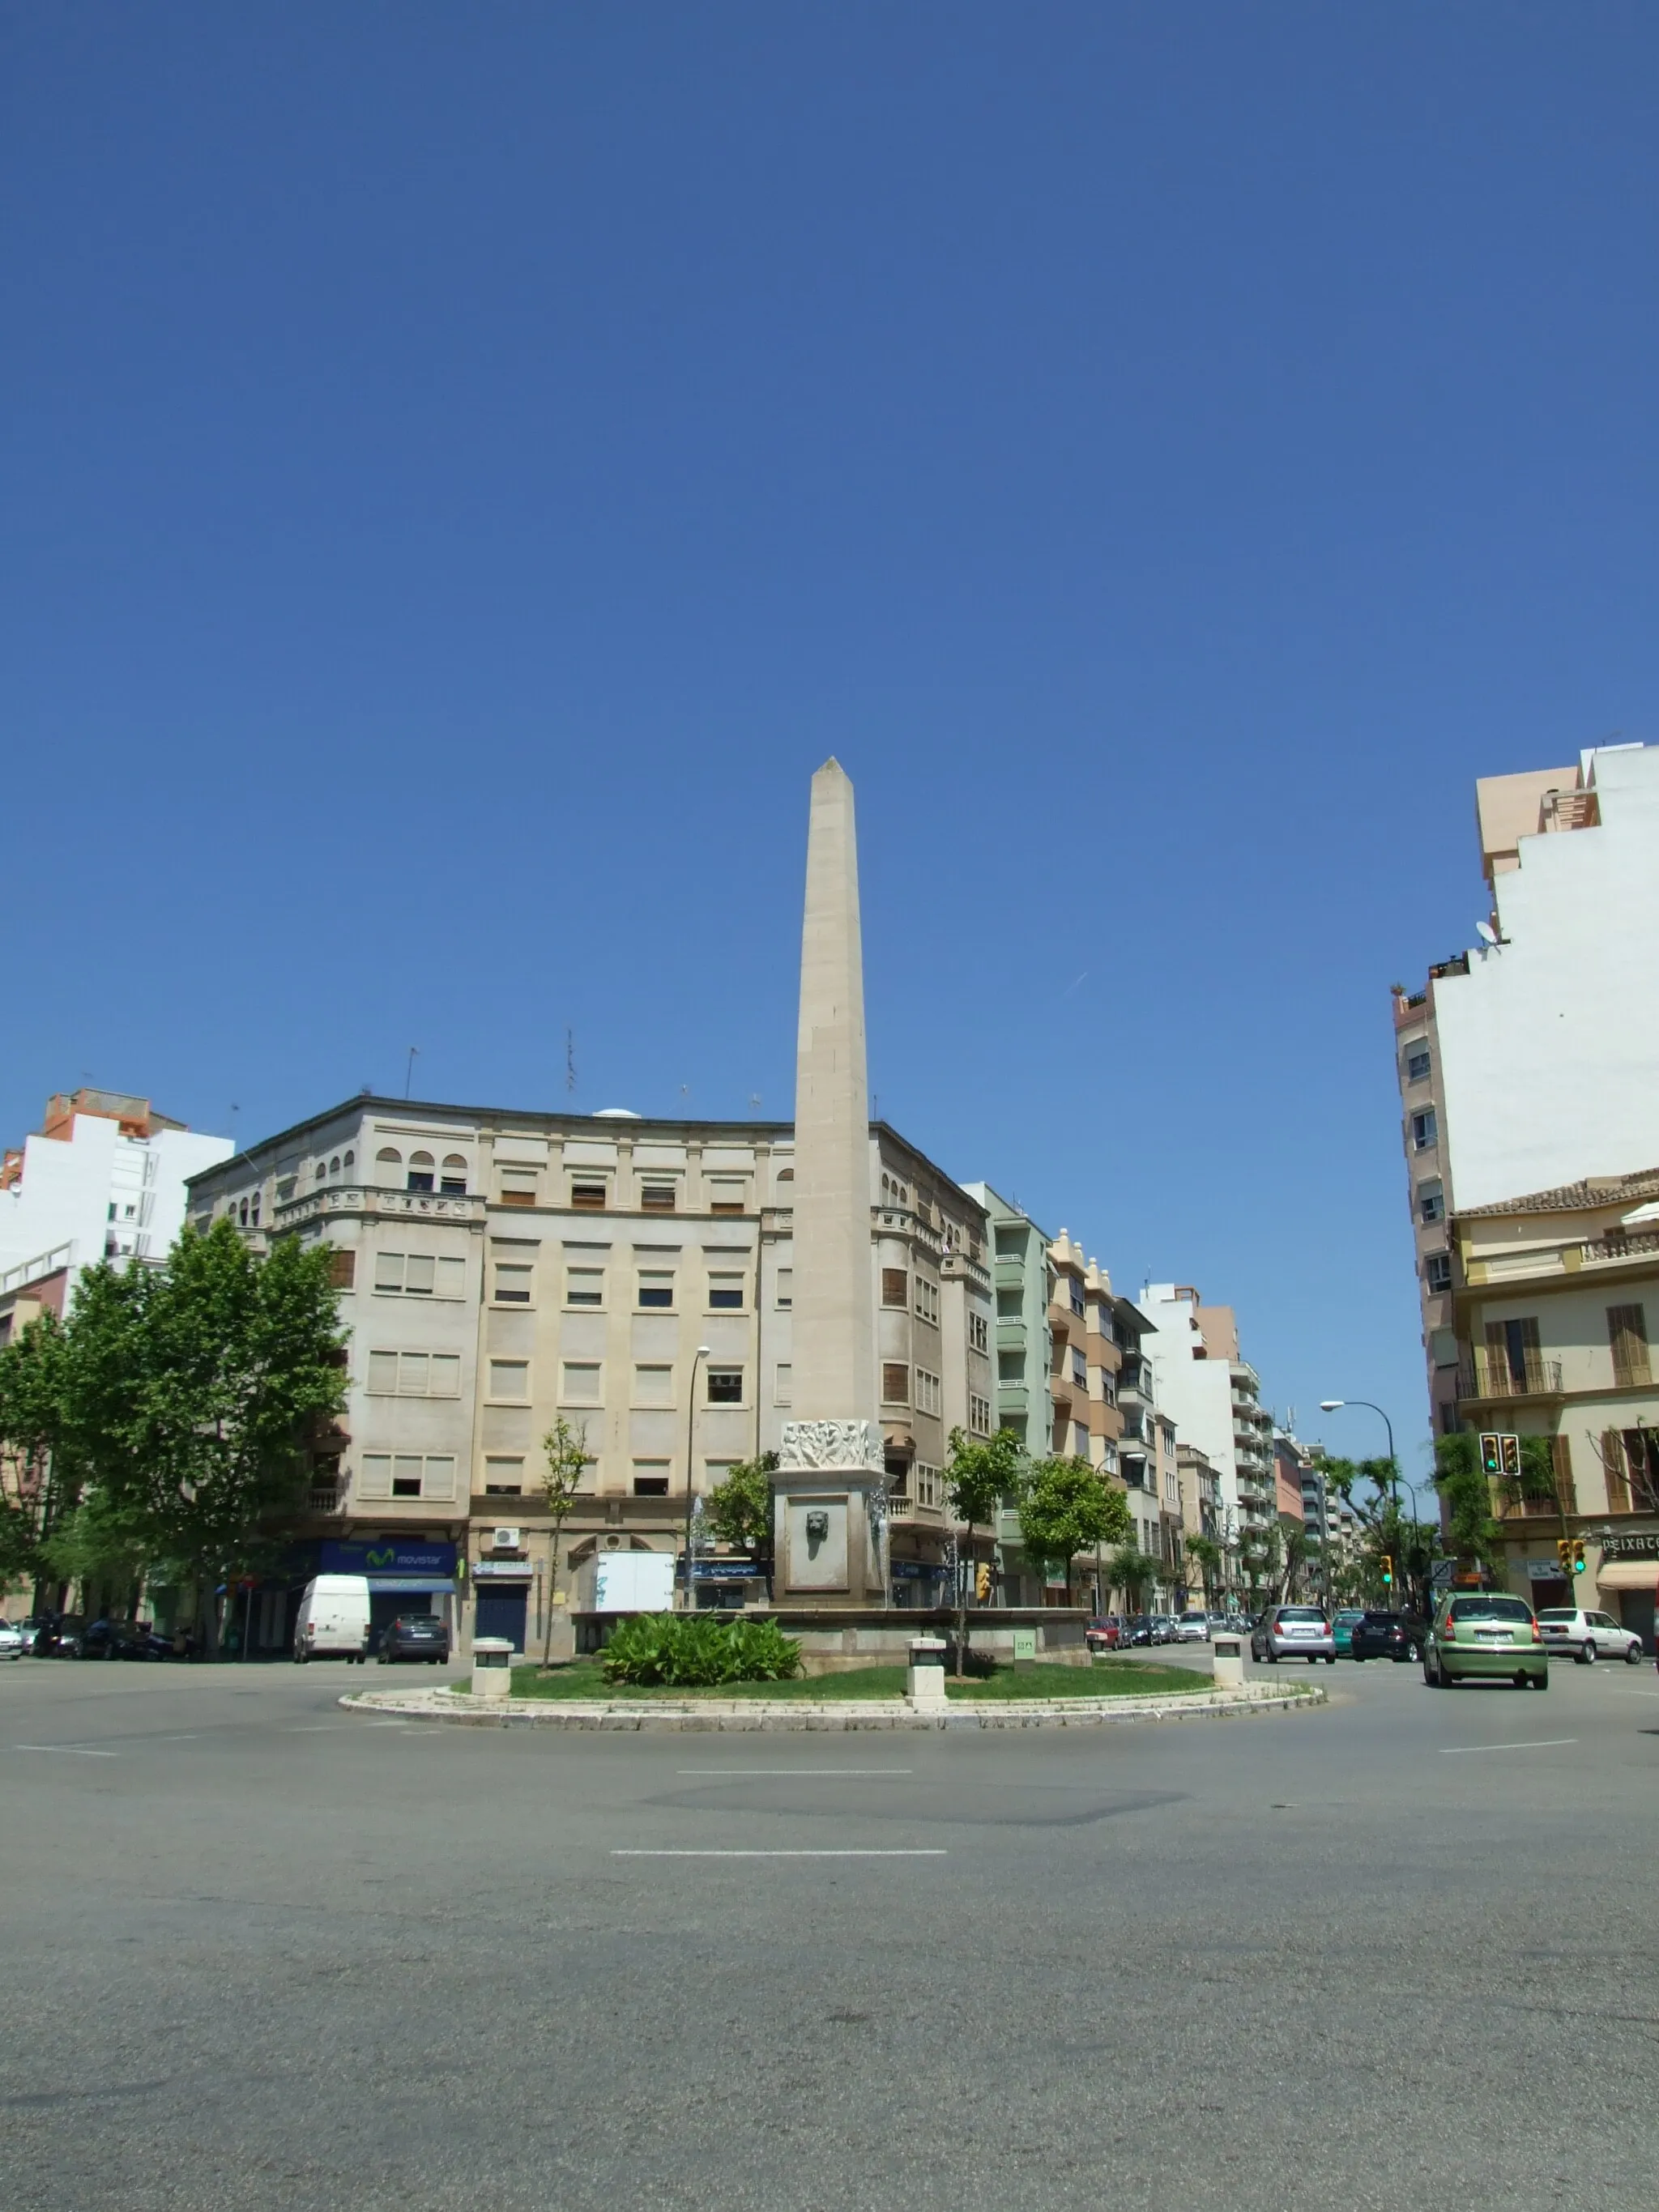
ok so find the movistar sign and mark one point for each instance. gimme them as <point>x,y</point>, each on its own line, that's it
<point>414,1557</point>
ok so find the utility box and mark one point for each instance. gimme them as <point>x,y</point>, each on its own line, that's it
<point>626,1582</point>
<point>1228,1661</point>
<point>492,1668</point>
<point>924,1682</point>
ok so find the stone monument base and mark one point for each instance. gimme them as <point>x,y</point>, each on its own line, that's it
<point>830,1515</point>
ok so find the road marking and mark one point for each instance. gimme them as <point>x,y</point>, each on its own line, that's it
<point>817,1773</point>
<point>321,1728</point>
<point>935,1854</point>
<point>72,1750</point>
<point>1543,1743</point>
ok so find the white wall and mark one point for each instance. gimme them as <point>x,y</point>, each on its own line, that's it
<point>1196,1394</point>
<point>1549,1045</point>
<point>68,1187</point>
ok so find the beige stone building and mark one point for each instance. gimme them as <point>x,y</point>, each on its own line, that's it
<point>499,1268</point>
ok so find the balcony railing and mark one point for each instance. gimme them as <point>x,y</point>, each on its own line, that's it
<point>1483,1379</point>
<point>325,1501</point>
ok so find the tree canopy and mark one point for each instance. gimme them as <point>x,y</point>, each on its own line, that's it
<point>1068,1507</point>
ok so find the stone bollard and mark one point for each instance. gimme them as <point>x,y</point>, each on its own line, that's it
<point>1228,1662</point>
<point>492,1667</point>
<point>924,1685</point>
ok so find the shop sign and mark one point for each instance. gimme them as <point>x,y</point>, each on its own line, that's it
<point>1543,1571</point>
<point>502,1570</point>
<point>1630,1544</point>
<point>396,1556</point>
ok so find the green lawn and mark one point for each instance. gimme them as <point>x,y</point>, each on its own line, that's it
<point>1106,1678</point>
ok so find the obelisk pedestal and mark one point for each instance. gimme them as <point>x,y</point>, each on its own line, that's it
<point>830,1488</point>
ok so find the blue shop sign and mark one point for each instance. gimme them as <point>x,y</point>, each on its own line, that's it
<point>431,1562</point>
<point>914,1571</point>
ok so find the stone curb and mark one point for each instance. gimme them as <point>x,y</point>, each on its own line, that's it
<point>731,1714</point>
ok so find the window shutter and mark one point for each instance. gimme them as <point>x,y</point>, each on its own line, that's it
<point>1612,1462</point>
<point>446,1381</point>
<point>1561,1460</point>
<point>1496,1381</point>
<point>341,1270</point>
<point>439,1479</point>
<point>374,1475</point>
<point>383,1372</point>
<point>388,1271</point>
<point>1627,1333</point>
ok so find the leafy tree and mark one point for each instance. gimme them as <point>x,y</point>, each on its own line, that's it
<point>977,1478</point>
<point>1068,1507</point>
<point>1134,1572</point>
<point>565,1452</point>
<point>1210,1558</point>
<point>740,1509</point>
<point>1472,1535</point>
<point>37,1484</point>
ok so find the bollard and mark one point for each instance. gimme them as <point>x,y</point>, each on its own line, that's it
<point>492,1667</point>
<point>924,1684</point>
<point>1228,1662</point>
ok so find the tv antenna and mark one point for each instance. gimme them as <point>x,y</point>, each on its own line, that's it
<point>409,1072</point>
<point>570,1060</point>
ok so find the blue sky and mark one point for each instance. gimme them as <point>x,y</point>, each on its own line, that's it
<point>463,468</point>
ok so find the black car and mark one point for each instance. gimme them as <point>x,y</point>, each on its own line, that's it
<point>1139,1630</point>
<point>1396,1636</point>
<point>124,1639</point>
<point>416,1636</point>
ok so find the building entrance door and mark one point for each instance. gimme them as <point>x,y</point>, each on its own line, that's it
<point>503,1613</point>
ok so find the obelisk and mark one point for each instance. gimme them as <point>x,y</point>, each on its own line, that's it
<point>831,1479</point>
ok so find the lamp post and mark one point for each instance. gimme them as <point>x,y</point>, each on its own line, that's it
<point>1335,1405</point>
<point>701,1352</point>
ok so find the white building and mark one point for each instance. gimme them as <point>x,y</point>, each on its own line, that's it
<point>102,1178</point>
<point>1213,1396</point>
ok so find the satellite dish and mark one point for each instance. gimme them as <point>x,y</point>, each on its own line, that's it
<point>1488,934</point>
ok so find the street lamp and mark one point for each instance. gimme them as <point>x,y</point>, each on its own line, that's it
<point>1335,1405</point>
<point>701,1352</point>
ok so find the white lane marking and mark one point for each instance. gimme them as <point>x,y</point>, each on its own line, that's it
<point>321,1728</point>
<point>816,1773</point>
<point>70,1750</point>
<point>1543,1743</point>
<point>935,1854</point>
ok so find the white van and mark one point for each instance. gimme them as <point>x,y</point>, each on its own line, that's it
<point>333,1619</point>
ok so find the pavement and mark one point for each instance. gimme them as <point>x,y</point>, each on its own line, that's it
<point>260,1953</point>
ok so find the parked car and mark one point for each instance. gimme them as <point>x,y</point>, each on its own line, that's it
<point>1106,1633</point>
<point>1193,1628</point>
<point>1397,1636</point>
<point>14,1639</point>
<point>1294,1632</point>
<point>1587,1637</point>
<point>416,1636</point>
<point>125,1639</point>
<point>1344,1622</point>
<point>1139,1629</point>
<point>1163,1628</point>
<point>1484,1634</point>
<point>67,1636</point>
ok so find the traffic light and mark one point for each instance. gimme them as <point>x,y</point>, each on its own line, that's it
<point>1564,1553</point>
<point>981,1582</point>
<point>1511,1449</point>
<point>1491,1456</point>
<point>1579,1555</point>
<point>1388,1571</point>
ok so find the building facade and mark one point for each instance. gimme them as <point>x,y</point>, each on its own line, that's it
<point>1213,1395</point>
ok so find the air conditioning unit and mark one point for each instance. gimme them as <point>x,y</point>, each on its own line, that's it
<point>506,1540</point>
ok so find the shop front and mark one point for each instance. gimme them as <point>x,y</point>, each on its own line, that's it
<point>501,1600</point>
<point>405,1574</point>
<point>1627,1580</point>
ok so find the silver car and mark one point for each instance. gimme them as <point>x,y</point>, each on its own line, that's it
<point>1587,1637</point>
<point>1298,1631</point>
<point>14,1640</point>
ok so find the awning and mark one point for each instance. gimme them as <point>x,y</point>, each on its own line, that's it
<point>409,1586</point>
<point>1628,1574</point>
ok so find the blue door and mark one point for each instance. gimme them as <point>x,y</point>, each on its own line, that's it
<point>502,1612</point>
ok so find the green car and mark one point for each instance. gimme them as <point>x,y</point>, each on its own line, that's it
<point>1477,1634</point>
<point>1343,1624</point>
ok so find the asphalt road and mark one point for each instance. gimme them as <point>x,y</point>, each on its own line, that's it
<point>258,1953</point>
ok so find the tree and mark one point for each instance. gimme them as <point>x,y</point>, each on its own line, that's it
<point>1068,1507</point>
<point>564,1449</point>
<point>977,1478</point>
<point>1133,1571</point>
<point>740,1511</point>
<point>36,1484</point>
<point>1209,1556</point>
<point>1472,1535</point>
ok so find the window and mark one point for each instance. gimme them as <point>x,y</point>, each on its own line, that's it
<point>927,1392</point>
<point>1079,1371</point>
<point>421,1165</point>
<point>725,1293</point>
<point>1627,1333</point>
<point>894,1287</point>
<point>1417,1065</point>
<point>518,1186</point>
<point>341,1270</point>
<point>979,1414</point>
<point>654,1384</point>
<point>333,1168</point>
<point>453,1177</point>
<point>579,1381</point>
<point>785,1293</point>
<point>388,1156</point>
<point>414,1374</point>
<point>584,1286</point>
<point>350,1160</point>
<point>407,1475</point>
<point>783,1384</point>
<point>587,1197</point>
<point>420,1274</point>
<point>895,1384</point>
<point>651,1478</point>
<point>926,1300</point>
<point>1077,1299</point>
<point>513,1281</point>
<point>726,1195</point>
<point>929,1489</point>
<point>725,1386</point>
<point>1009,1306</point>
<point>1430,1201</point>
<point>656,1287</point>
<point>1079,1440</point>
<point>1109,1386</point>
<point>1436,1271</point>
<point>510,1378</point>
<point>503,1478</point>
<point>979,1333</point>
<point>1425,1131</point>
<point>658,1197</point>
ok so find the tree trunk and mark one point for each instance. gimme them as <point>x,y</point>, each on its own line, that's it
<point>963,1570</point>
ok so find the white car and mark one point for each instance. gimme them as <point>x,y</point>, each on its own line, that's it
<point>12,1641</point>
<point>1587,1637</point>
<point>1193,1628</point>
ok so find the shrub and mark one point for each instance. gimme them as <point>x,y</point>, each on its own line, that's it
<point>696,1651</point>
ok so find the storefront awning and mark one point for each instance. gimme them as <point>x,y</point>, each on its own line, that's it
<point>1628,1574</point>
<point>409,1586</point>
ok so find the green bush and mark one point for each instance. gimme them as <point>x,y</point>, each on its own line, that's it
<point>697,1650</point>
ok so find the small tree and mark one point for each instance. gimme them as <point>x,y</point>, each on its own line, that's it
<point>1068,1507</point>
<point>565,1451</point>
<point>1208,1555</point>
<point>740,1511</point>
<point>1472,1535</point>
<point>1133,1571</point>
<point>978,1477</point>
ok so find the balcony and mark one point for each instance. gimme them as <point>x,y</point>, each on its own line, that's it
<point>1481,1380</point>
<point>327,1502</point>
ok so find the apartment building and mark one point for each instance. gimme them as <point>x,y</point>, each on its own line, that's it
<point>1023,1283</point>
<point>498,1269</point>
<point>102,1178</point>
<point>1530,1061</point>
<point>1213,1396</point>
<point>1554,1298</point>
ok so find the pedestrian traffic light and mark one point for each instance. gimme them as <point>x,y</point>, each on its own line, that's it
<point>1490,1457</point>
<point>981,1582</point>
<point>1388,1571</point>
<point>1579,1555</point>
<point>1511,1448</point>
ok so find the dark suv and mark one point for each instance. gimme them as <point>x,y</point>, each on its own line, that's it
<point>416,1636</point>
<point>1396,1636</point>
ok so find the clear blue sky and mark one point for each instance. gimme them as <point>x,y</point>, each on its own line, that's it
<point>464,467</point>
